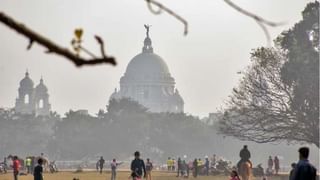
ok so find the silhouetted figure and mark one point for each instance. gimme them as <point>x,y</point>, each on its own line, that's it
<point>276,164</point>
<point>195,168</point>
<point>137,167</point>
<point>16,167</point>
<point>101,164</point>
<point>184,167</point>
<point>114,166</point>
<point>270,166</point>
<point>245,156</point>
<point>38,170</point>
<point>179,170</point>
<point>5,165</point>
<point>207,164</point>
<point>304,169</point>
<point>149,168</point>
<point>293,166</point>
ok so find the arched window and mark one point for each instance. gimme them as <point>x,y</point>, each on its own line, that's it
<point>41,103</point>
<point>26,99</point>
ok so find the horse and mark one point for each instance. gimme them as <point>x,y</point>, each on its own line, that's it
<point>245,171</point>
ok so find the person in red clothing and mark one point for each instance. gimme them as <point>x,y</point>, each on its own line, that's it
<point>234,175</point>
<point>16,167</point>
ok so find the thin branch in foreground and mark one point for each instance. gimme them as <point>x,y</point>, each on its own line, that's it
<point>51,46</point>
<point>260,21</point>
<point>161,7</point>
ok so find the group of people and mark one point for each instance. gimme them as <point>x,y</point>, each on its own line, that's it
<point>171,164</point>
<point>138,167</point>
<point>37,171</point>
<point>114,164</point>
<point>273,163</point>
<point>183,168</point>
<point>303,170</point>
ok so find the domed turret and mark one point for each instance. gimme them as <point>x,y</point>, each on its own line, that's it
<point>41,99</point>
<point>26,82</point>
<point>41,88</point>
<point>115,94</point>
<point>32,100</point>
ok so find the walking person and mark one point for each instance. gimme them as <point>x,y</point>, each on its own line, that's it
<point>195,168</point>
<point>101,164</point>
<point>114,166</point>
<point>207,164</point>
<point>5,165</point>
<point>173,164</point>
<point>270,166</point>
<point>38,170</point>
<point>169,163</point>
<point>304,170</point>
<point>149,168</point>
<point>16,167</point>
<point>179,170</point>
<point>276,164</point>
<point>184,169</point>
<point>28,164</point>
<point>138,167</point>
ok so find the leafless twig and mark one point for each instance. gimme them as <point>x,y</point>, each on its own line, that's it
<point>161,7</point>
<point>263,23</point>
<point>51,46</point>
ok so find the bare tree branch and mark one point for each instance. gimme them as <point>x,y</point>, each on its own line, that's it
<point>260,21</point>
<point>263,23</point>
<point>51,46</point>
<point>169,11</point>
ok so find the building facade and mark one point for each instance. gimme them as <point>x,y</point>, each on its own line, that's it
<point>32,100</point>
<point>148,81</point>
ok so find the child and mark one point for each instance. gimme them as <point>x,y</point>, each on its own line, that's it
<point>37,173</point>
<point>293,166</point>
<point>234,175</point>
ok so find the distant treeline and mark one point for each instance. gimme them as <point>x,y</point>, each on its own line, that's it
<point>125,127</point>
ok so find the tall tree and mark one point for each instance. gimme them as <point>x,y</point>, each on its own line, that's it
<point>301,71</point>
<point>278,98</point>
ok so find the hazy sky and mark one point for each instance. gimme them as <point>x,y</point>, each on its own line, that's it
<point>204,63</point>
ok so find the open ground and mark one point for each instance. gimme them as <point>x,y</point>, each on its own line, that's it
<point>122,175</point>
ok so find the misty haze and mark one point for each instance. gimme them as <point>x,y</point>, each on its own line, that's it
<point>162,89</point>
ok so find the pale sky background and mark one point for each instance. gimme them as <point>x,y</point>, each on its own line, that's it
<point>204,63</point>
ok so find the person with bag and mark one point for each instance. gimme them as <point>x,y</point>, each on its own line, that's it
<point>138,167</point>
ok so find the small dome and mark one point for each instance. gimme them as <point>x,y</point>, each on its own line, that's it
<point>114,95</point>
<point>147,64</point>
<point>26,82</point>
<point>41,87</point>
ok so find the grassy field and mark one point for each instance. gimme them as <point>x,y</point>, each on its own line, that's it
<point>121,176</point>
